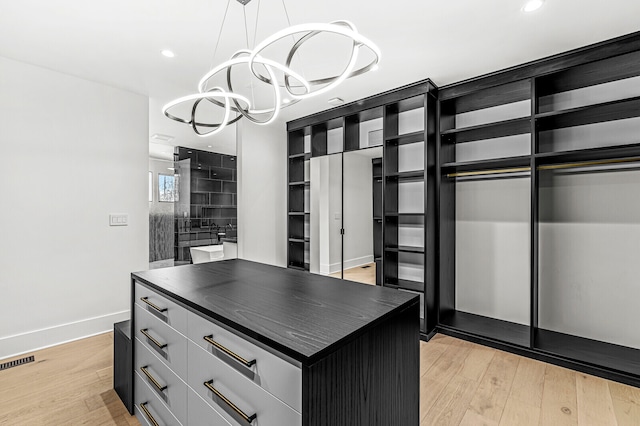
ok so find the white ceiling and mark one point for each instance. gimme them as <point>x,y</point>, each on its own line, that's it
<point>119,42</point>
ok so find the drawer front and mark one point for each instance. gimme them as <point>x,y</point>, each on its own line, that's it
<point>166,385</point>
<point>238,390</point>
<point>145,399</point>
<point>275,375</point>
<point>168,344</point>
<point>201,413</point>
<point>161,307</point>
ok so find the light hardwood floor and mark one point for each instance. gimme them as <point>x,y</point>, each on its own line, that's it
<point>461,383</point>
<point>365,274</point>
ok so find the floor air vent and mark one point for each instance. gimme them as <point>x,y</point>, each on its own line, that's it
<point>17,362</point>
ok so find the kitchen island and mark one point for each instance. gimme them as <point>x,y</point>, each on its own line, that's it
<point>242,343</point>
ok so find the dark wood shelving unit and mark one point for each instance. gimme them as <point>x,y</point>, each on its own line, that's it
<point>298,246</point>
<point>213,202</point>
<point>545,83</point>
<point>386,177</point>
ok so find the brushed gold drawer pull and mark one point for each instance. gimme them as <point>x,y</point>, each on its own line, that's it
<point>229,352</point>
<point>146,412</point>
<point>153,305</point>
<point>154,341</point>
<point>152,379</point>
<point>216,392</point>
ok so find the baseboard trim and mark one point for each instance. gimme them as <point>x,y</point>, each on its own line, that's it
<point>348,264</point>
<point>19,344</point>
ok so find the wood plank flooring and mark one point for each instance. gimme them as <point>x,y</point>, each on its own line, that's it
<point>461,383</point>
<point>365,274</point>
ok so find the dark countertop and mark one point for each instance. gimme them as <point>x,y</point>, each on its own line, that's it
<point>299,314</point>
<point>229,240</point>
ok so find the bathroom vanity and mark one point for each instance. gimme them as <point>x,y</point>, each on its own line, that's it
<point>241,343</point>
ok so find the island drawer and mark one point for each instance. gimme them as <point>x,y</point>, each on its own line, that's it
<point>159,338</point>
<point>202,414</point>
<point>169,388</point>
<point>233,395</point>
<point>274,374</point>
<point>148,408</point>
<point>161,307</point>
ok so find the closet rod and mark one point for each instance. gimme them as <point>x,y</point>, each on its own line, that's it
<point>546,167</point>
<point>489,172</point>
<point>588,163</point>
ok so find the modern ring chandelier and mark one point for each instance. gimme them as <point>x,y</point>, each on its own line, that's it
<point>295,86</point>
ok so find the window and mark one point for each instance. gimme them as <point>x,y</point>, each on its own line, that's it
<point>167,188</point>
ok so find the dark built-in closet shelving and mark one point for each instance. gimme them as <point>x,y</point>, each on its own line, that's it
<point>376,171</point>
<point>212,214</point>
<point>548,124</point>
<point>530,175</point>
<point>308,138</point>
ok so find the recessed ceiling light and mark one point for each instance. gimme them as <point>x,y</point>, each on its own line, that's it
<point>168,53</point>
<point>336,101</point>
<point>170,168</point>
<point>376,67</point>
<point>532,5</point>
<point>209,146</point>
<point>286,101</point>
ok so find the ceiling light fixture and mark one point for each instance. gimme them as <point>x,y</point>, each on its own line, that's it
<point>168,53</point>
<point>276,73</point>
<point>532,5</point>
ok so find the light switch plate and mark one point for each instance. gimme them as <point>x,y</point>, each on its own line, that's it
<point>118,219</point>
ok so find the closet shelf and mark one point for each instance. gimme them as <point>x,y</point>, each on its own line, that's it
<point>299,240</point>
<point>406,138</point>
<point>404,249</point>
<point>516,126</point>
<point>405,284</point>
<point>496,163</point>
<point>620,358</point>
<point>468,324</point>
<point>291,157</point>
<point>414,175</point>
<point>590,114</point>
<point>592,154</point>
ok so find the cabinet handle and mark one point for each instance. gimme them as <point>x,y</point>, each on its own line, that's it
<point>146,412</point>
<point>154,341</point>
<point>216,392</point>
<point>229,352</point>
<point>152,379</point>
<point>153,305</point>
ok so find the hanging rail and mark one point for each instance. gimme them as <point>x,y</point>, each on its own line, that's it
<point>545,167</point>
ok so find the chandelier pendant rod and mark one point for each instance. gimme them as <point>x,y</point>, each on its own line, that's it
<point>286,13</point>
<point>215,49</point>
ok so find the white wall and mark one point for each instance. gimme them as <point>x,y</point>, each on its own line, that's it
<point>262,193</point>
<point>492,248</point>
<point>74,152</point>
<point>589,245</point>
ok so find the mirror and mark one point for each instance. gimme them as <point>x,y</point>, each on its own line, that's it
<point>326,215</point>
<point>346,194</point>
<point>362,217</point>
